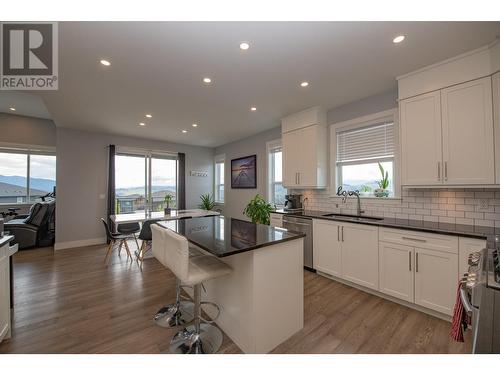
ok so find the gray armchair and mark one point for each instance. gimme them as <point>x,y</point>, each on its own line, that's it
<point>36,228</point>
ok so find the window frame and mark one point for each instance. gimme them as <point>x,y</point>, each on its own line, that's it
<point>390,115</point>
<point>27,150</point>
<point>219,159</point>
<point>270,146</point>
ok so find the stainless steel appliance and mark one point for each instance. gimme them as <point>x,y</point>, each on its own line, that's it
<point>480,294</point>
<point>302,225</point>
<point>292,202</point>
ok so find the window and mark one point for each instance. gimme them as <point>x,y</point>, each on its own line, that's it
<point>275,176</point>
<point>143,179</point>
<point>26,175</point>
<point>219,178</point>
<point>360,150</point>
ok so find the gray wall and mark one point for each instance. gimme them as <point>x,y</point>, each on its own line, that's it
<point>366,106</point>
<point>27,130</point>
<point>237,199</point>
<point>82,159</point>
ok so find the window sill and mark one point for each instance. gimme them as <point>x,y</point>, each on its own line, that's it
<point>16,204</point>
<point>389,199</point>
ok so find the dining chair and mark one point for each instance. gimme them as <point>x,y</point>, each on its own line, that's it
<point>130,229</point>
<point>114,239</point>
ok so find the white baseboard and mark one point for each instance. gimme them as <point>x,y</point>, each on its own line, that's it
<point>79,243</point>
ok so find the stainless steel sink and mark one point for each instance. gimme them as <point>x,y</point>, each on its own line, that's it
<point>354,217</point>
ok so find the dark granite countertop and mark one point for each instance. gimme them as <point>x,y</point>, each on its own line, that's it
<point>224,236</point>
<point>423,226</point>
<point>5,239</point>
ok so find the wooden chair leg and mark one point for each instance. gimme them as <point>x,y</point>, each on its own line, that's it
<point>108,253</point>
<point>128,250</point>
<point>141,252</point>
<point>120,247</point>
<point>136,242</point>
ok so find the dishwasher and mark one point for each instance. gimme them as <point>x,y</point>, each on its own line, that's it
<point>302,225</point>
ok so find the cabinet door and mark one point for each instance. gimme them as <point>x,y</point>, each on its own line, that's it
<point>468,156</point>
<point>420,119</point>
<point>308,163</point>
<point>4,296</point>
<point>276,220</point>
<point>435,279</point>
<point>360,254</point>
<point>467,246</point>
<point>291,154</point>
<point>496,122</point>
<point>327,247</point>
<point>397,265</point>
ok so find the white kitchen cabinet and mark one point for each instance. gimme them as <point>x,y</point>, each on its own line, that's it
<point>447,136</point>
<point>435,279</point>
<point>304,141</point>
<point>420,119</point>
<point>360,254</point>
<point>276,220</point>
<point>397,263</point>
<point>496,122</point>
<point>4,293</point>
<point>466,246</point>
<point>467,123</point>
<point>327,247</point>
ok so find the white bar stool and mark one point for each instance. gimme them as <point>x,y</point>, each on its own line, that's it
<point>173,253</point>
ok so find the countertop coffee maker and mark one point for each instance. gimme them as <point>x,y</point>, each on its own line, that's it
<point>293,202</point>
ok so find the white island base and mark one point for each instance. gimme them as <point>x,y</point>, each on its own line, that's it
<point>262,300</point>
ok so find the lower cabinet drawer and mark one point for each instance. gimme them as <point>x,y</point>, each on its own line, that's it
<point>439,242</point>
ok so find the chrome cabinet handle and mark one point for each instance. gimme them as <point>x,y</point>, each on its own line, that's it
<point>413,239</point>
<point>409,260</point>
<point>294,223</point>
<point>298,174</point>
<point>416,262</point>
<point>338,234</point>
<point>446,171</point>
<point>342,233</point>
<point>439,171</point>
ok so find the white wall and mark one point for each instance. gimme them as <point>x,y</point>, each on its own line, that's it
<point>27,130</point>
<point>82,170</point>
<point>237,199</point>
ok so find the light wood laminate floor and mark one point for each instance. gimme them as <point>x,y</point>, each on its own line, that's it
<point>68,302</point>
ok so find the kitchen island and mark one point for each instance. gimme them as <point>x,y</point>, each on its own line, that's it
<point>262,300</point>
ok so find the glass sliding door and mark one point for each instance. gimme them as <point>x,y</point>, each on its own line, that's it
<point>143,181</point>
<point>130,183</point>
<point>163,181</point>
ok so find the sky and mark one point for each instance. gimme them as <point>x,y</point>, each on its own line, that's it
<point>42,166</point>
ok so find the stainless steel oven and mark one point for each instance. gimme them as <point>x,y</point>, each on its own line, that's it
<point>480,294</point>
<point>302,225</point>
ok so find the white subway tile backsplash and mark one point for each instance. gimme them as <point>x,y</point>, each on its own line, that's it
<point>460,206</point>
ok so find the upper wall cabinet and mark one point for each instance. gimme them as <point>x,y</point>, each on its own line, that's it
<point>304,140</point>
<point>447,136</point>
<point>496,122</point>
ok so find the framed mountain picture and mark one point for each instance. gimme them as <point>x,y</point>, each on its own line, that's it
<point>244,172</point>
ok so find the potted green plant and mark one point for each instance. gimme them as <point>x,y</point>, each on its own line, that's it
<point>258,210</point>
<point>383,184</point>
<point>365,190</point>
<point>207,202</point>
<point>168,200</point>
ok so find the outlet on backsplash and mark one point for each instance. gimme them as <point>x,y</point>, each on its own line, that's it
<point>483,204</point>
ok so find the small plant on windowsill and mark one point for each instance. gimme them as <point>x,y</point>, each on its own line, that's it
<point>168,201</point>
<point>258,210</point>
<point>365,191</point>
<point>383,184</point>
<point>207,202</point>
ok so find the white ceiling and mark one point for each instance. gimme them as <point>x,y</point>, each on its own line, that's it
<point>157,67</point>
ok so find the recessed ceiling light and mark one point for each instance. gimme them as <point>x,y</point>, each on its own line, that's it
<point>244,46</point>
<point>253,109</point>
<point>12,109</point>
<point>105,62</point>
<point>194,125</point>
<point>207,80</point>
<point>304,84</point>
<point>142,124</point>
<point>398,39</point>
<point>184,131</point>
<point>149,116</point>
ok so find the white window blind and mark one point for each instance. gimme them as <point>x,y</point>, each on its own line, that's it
<point>370,142</point>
